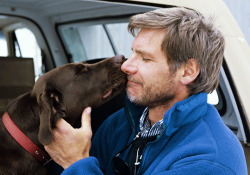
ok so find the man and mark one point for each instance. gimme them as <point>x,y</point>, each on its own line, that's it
<point>166,127</point>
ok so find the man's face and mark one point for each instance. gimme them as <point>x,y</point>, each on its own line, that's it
<point>149,80</point>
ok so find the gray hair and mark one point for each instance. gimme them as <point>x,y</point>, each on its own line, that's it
<point>188,35</point>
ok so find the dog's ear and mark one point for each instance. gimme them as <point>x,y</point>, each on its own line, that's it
<point>51,108</point>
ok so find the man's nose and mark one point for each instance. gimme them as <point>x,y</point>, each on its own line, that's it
<point>129,66</point>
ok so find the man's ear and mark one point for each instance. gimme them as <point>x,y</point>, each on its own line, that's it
<point>51,108</point>
<point>189,71</point>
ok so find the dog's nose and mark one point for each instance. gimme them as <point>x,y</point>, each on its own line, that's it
<point>119,59</point>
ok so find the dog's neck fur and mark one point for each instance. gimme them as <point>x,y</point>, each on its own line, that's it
<point>22,111</point>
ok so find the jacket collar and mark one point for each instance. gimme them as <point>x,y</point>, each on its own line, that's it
<point>182,113</point>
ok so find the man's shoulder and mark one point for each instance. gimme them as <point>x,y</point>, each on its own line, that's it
<point>210,140</point>
<point>217,127</point>
<point>227,147</point>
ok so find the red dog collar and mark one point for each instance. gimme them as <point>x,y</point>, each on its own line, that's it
<point>24,141</point>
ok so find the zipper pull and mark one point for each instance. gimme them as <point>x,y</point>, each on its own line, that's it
<point>137,162</point>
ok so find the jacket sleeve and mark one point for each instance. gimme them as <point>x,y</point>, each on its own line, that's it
<point>89,165</point>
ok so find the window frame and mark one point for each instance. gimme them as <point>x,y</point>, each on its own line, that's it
<point>92,21</point>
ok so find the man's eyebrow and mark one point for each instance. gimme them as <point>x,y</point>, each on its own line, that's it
<point>142,52</point>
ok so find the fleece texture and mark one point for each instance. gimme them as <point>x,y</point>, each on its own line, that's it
<point>195,141</point>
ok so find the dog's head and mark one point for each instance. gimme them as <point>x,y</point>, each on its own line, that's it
<point>65,91</point>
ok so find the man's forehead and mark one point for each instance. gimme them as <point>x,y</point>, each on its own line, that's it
<point>148,36</point>
<point>148,40</point>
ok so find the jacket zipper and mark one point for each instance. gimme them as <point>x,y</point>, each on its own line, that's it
<point>148,145</point>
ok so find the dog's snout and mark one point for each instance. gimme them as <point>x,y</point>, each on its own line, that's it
<point>119,59</point>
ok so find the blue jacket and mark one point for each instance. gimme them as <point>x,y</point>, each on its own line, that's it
<point>195,142</point>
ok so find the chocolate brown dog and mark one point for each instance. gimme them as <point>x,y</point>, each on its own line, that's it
<point>60,93</point>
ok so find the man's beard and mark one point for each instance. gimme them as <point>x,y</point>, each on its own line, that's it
<point>155,95</point>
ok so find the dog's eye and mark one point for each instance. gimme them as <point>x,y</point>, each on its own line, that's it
<point>81,68</point>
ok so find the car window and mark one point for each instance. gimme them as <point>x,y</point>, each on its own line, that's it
<point>95,41</point>
<point>122,39</point>
<point>86,41</point>
<point>3,45</point>
<point>26,46</point>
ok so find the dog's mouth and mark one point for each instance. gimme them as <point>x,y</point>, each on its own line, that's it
<point>118,87</point>
<point>108,93</point>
